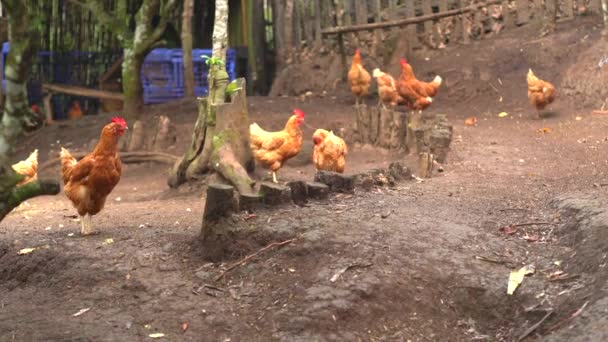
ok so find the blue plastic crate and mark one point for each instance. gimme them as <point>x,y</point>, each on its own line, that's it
<point>160,76</point>
<point>201,70</point>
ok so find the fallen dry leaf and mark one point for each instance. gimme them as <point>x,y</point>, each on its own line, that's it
<point>544,130</point>
<point>470,121</point>
<point>81,311</point>
<point>517,277</point>
<point>185,326</point>
<point>26,251</point>
<point>108,241</point>
<point>503,114</point>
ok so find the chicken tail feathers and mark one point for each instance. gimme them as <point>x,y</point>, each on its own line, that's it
<point>438,80</point>
<point>67,161</point>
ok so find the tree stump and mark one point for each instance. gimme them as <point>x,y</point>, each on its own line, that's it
<point>218,203</point>
<point>137,137</point>
<point>249,202</point>
<point>414,123</point>
<point>299,194</point>
<point>425,165</point>
<point>316,190</point>
<point>335,181</point>
<point>275,194</point>
<point>383,127</point>
<point>363,124</point>
<point>220,143</point>
<point>441,138</point>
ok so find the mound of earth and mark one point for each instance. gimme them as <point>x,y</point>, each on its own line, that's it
<point>586,79</point>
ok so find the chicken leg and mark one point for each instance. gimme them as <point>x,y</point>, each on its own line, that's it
<point>86,225</point>
<point>274,177</point>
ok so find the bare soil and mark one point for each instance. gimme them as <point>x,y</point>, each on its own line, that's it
<point>429,261</point>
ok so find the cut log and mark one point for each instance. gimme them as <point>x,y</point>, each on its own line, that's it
<point>374,124</point>
<point>249,202</point>
<point>125,158</point>
<point>440,138</point>
<point>385,127</point>
<point>219,203</point>
<point>299,194</point>
<point>335,181</point>
<point>316,190</point>
<point>425,165</point>
<point>275,194</point>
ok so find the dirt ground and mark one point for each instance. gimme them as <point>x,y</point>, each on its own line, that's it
<point>428,260</point>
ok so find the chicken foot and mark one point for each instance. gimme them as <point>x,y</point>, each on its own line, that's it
<point>86,225</point>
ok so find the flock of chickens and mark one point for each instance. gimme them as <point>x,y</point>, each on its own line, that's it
<point>88,182</point>
<point>418,95</point>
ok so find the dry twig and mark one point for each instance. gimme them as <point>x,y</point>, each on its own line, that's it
<point>251,256</point>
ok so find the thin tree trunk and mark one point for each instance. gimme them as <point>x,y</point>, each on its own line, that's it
<point>24,37</point>
<point>605,16</point>
<point>187,47</point>
<point>131,85</point>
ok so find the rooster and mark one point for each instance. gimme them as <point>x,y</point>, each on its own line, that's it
<point>419,94</point>
<point>540,93</point>
<point>27,168</point>
<point>358,77</point>
<point>387,88</point>
<point>329,153</point>
<point>89,181</point>
<point>272,149</point>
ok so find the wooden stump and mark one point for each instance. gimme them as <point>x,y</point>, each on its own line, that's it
<point>136,141</point>
<point>318,191</point>
<point>425,165</point>
<point>363,124</point>
<point>165,134</point>
<point>249,202</point>
<point>441,138</point>
<point>219,203</point>
<point>275,194</point>
<point>335,181</point>
<point>385,127</point>
<point>374,125</point>
<point>414,123</point>
<point>299,194</point>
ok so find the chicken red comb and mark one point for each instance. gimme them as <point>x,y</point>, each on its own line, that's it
<point>403,61</point>
<point>299,113</point>
<point>357,52</point>
<point>119,120</point>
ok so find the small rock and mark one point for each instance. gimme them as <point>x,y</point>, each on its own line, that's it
<point>167,247</point>
<point>203,275</point>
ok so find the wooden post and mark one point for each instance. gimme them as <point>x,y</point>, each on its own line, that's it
<point>48,108</point>
<point>318,15</point>
<point>428,25</point>
<point>478,22</point>
<point>361,11</point>
<point>466,38</point>
<point>569,10</point>
<point>506,14</point>
<point>412,34</point>
<point>594,6</point>
<point>297,23</point>
<point>523,14</point>
<point>377,18</point>
<point>341,48</point>
<point>347,14</point>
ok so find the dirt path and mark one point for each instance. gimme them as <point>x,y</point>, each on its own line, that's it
<point>429,261</point>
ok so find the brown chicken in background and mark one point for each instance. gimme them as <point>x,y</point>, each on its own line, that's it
<point>272,149</point>
<point>387,88</point>
<point>28,168</point>
<point>419,94</point>
<point>75,112</point>
<point>359,78</point>
<point>329,152</point>
<point>89,181</point>
<point>540,93</point>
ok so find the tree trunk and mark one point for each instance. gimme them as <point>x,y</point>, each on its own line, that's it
<point>23,36</point>
<point>131,85</point>
<point>187,47</point>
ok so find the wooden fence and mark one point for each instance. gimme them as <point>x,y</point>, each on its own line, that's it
<point>316,20</point>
